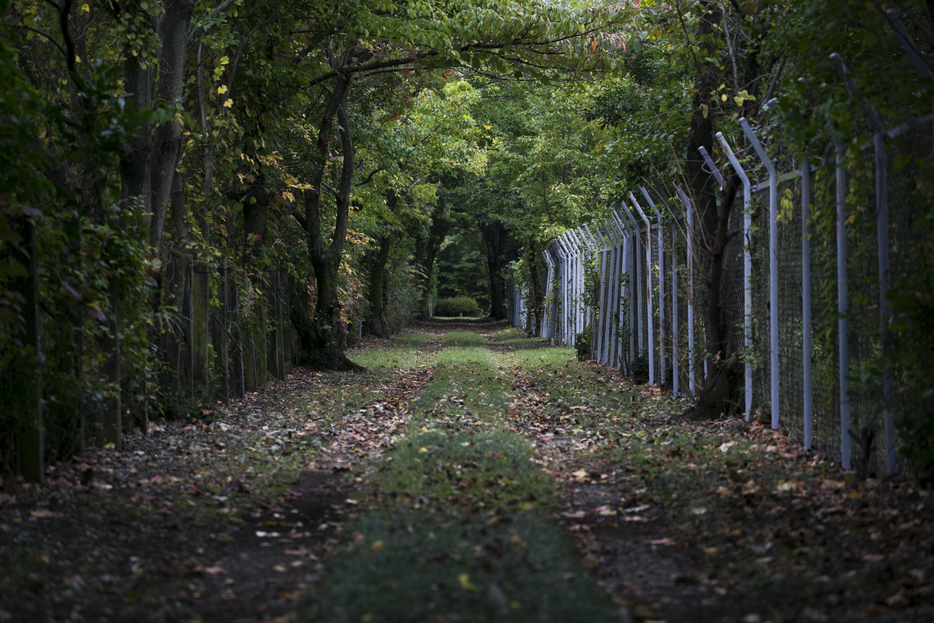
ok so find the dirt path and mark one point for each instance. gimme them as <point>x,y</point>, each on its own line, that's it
<point>406,485</point>
<point>217,522</point>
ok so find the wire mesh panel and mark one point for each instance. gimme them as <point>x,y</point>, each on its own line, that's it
<point>731,284</point>
<point>826,363</point>
<point>663,303</point>
<point>866,404</point>
<point>911,228</point>
<point>790,312</point>
<point>682,293</point>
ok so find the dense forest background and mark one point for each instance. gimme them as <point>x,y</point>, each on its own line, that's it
<point>185,186</point>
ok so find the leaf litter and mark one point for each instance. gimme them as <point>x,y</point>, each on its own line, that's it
<point>221,518</point>
<point>236,515</point>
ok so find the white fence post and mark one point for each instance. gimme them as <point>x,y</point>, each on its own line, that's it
<point>773,267</point>
<point>689,235</point>
<point>648,289</point>
<point>747,271</point>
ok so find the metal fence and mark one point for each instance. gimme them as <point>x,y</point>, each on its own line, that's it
<point>805,295</point>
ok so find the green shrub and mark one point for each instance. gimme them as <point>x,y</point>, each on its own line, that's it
<point>582,344</point>
<point>640,370</point>
<point>457,306</point>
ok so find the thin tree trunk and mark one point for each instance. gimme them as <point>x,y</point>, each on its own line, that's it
<point>376,323</point>
<point>167,139</point>
<point>719,393</point>
<point>136,154</point>
<point>179,212</point>
<point>493,235</point>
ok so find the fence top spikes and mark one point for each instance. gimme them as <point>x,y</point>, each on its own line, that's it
<point>840,67</point>
<point>652,202</point>
<point>639,209</point>
<point>754,141</point>
<point>713,170</point>
<point>908,45</point>
<point>873,117</point>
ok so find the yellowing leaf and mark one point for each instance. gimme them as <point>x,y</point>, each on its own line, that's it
<point>85,8</point>
<point>723,97</point>
<point>228,103</point>
<point>222,88</point>
<point>464,580</point>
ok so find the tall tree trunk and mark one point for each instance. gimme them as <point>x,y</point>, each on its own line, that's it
<point>436,235</point>
<point>535,307</point>
<point>136,154</point>
<point>325,333</point>
<point>167,139</point>
<point>494,235</point>
<point>714,397</point>
<point>719,394</point>
<point>376,323</point>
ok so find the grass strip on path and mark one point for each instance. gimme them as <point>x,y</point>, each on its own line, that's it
<point>718,521</point>
<point>460,526</point>
<point>217,519</point>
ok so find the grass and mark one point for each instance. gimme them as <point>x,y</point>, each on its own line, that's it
<point>463,473</point>
<point>407,566</point>
<point>461,525</point>
<point>400,353</point>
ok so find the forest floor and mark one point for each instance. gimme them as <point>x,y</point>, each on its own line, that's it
<point>470,474</point>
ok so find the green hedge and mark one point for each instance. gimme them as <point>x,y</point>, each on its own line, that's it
<point>457,306</point>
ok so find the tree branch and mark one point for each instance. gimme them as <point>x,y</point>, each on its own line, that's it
<point>294,213</point>
<point>47,36</point>
<point>328,187</point>
<point>220,9</point>
<point>386,71</point>
<point>233,66</point>
<point>369,178</point>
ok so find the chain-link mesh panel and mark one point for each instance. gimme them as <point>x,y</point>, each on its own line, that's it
<point>911,226</point>
<point>663,306</point>
<point>641,297</point>
<point>863,337</point>
<point>790,311</point>
<point>731,283</point>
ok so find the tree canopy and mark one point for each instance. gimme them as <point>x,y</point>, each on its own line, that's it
<point>381,151</point>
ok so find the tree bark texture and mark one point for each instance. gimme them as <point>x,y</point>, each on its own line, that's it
<point>323,337</point>
<point>720,392</point>
<point>377,324</point>
<point>167,138</point>
<point>136,155</point>
<point>494,234</point>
